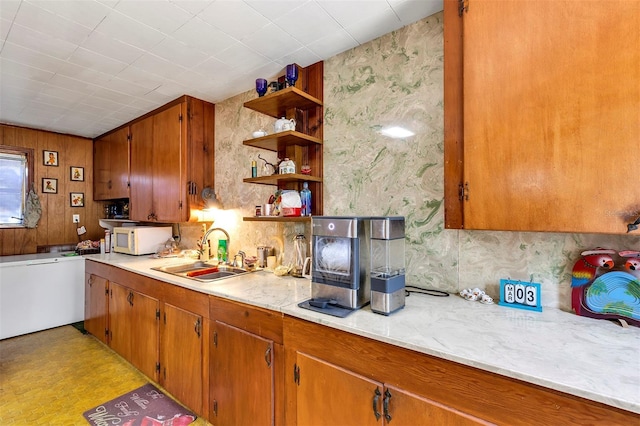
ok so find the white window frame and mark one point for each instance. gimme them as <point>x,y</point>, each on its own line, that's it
<point>27,153</point>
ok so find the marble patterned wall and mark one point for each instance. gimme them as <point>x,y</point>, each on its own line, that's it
<point>396,79</point>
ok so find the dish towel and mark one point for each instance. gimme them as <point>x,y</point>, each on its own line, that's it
<point>32,210</point>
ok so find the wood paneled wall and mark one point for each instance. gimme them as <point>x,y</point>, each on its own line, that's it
<point>55,226</point>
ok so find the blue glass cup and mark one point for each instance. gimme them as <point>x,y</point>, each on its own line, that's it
<point>292,74</point>
<point>261,86</point>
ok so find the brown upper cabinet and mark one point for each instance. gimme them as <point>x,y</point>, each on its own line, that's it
<point>542,116</point>
<point>111,165</point>
<point>171,160</point>
<point>302,102</point>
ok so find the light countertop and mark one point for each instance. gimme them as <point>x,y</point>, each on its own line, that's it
<point>594,359</point>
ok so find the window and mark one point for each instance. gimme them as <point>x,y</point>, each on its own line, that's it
<point>16,176</point>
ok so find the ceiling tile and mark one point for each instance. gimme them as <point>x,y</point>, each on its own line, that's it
<point>274,9</point>
<point>156,65</point>
<point>234,18</point>
<point>364,31</point>
<point>272,42</point>
<point>17,69</point>
<point>307,23</point>
<point>200,35</point>
<point>127,30</point>
<point>30,57</point>
<point>175,51</point>
<point>161,15</point>
<point>34,40</point>
<point>41,20</point>
<point>241,56</point>
<point>88,13</point>
<point>88,59</point>
<point>108,46</point>
<point>348,12</point>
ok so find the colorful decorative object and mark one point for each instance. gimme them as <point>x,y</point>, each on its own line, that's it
<point>77,199</point>
<point>521,295</point>
<point>49,186</point>
<point>77,174</point>
<point>50,158</point>
<point>606,285</point>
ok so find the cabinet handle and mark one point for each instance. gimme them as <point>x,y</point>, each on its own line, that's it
<point>90,280</point>
<point>267,356</point>
<point>385,405</point>
<point>376,402</point>
<point>197,327</point>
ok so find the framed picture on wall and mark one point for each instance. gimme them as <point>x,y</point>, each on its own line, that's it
<point>50,158</point>
<point>49,186</point>
<point>77,199</point>
<point>77,173</point>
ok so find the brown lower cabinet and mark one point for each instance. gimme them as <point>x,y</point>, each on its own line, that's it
<point>246,375</point>
<point>96,299</point>
<point>160,328</point>
<point>237,364</point>
<point>335,377</point>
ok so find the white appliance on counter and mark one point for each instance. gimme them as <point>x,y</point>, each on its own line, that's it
<point>40,291</point>
<point>139,240</point>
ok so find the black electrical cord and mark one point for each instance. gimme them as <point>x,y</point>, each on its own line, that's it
<point>428,292</point>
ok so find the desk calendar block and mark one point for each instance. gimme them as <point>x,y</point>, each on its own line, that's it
<point>521,295</point>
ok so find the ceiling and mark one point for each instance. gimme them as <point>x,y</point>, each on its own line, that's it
<point>84,67</point>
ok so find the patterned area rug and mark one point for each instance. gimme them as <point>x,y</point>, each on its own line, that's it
<point>145,406</point>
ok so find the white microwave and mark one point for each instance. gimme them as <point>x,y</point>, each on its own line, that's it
<point>139,240</point>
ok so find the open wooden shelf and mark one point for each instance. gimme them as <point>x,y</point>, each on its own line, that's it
<point>281,140</point>
<point>277,103</point>
<point>277,179</point>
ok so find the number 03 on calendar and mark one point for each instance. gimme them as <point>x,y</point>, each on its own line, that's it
<point>520,294</point>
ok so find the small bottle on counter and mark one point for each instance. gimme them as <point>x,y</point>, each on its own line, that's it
<point>101,245</point>
<point>305,198</point>
<point>254,169</point>
<point>107,241</point>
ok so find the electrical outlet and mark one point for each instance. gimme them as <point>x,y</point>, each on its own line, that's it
<point>76,218</point>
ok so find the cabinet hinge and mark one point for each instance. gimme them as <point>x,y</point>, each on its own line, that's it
<point>180,205</point>
<point>215,339</point>
<point>296,374</point>
<point>463,192</point>
<point>106,333</point>
<point>215,407</point>
<point>463,6</point>
<point>158,314</point>
<point>129,137</point>
<point>106,291</point>
<point>158,367</point>
<point>180,118</point>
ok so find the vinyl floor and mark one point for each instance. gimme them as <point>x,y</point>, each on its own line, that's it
<point>51,377</point>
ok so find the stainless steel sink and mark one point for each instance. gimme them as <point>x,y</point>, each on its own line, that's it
<point>186,269</point>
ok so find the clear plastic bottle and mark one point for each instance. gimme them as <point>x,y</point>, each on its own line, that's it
<point>305,197</point>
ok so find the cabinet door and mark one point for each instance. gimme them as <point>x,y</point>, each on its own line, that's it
<point>133,321</point>
<point>111,166</point>
<point>181,352</point>
<point>144,324</point>
<point>95,306</point>
<point>405,408</point>
<point>330,395</point>
<point>551,128</point>
<point>101,168</point>
<point>242,378</point>
<point>169,166</point>
<point>119,319</point>
<point>141,200</point>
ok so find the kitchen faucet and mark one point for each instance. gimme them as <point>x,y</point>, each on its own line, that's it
<point>205,238</point>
